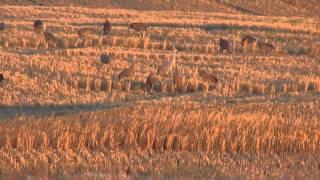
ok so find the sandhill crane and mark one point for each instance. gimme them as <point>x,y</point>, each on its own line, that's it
<point>224,45</point>
<point>265,47</point>
<point>178,79</point>
<point>316,50</point>
<point>140,27</point>
<point>127,73</point>
<point>39,26</point>
<point>50,38</point>
<point>1,77</point>
<point>105,59</point>
<point>151,81</point>
<point>84,32</point>
<point>106,27</point>
<point>167,66</point>
<point>246,40</point>
<point>207,78</point>
<point>2,27</point>
<point>5,27</point>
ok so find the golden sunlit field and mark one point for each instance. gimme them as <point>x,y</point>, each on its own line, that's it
<point>66,114</point>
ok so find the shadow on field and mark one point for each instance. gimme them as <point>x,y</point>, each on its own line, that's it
<point>10,112</point>
<point>211,27</point>
<point>238,8</point>
<point>207,27</point>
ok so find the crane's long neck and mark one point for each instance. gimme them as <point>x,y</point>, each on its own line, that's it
<point>174,56</point>
<point>176,70</point>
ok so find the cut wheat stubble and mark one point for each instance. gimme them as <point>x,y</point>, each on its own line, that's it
<point>127,73</point>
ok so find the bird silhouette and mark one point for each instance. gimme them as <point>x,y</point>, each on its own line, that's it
<point>224,45</point>
<point>138,26</point>
<point>2,27</point>
<point>265,47</point>
<point>151,81</point>
<point>207,77</point>
<point>105,59</point>
<point>39,26</point>
<point>50,37</point>
<point>106,27</point>
<point>178,78</point>
<point>1,77</point>
<point>246,40</point>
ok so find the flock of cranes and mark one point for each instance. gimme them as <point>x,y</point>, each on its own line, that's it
<point>167,67</point>
<point>247,40</point>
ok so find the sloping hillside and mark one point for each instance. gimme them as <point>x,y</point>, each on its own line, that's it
<point>258,7</point>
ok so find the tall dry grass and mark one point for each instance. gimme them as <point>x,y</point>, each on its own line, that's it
<point>75,143</point>
<point>180,128</point>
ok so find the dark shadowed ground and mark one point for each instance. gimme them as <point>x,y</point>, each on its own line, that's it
<point>309,8</point>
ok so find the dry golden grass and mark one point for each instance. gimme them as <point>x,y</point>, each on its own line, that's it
<point>132,139</point>
<point>66,114</point>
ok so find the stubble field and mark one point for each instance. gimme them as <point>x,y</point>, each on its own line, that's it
<point>64,113</point>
